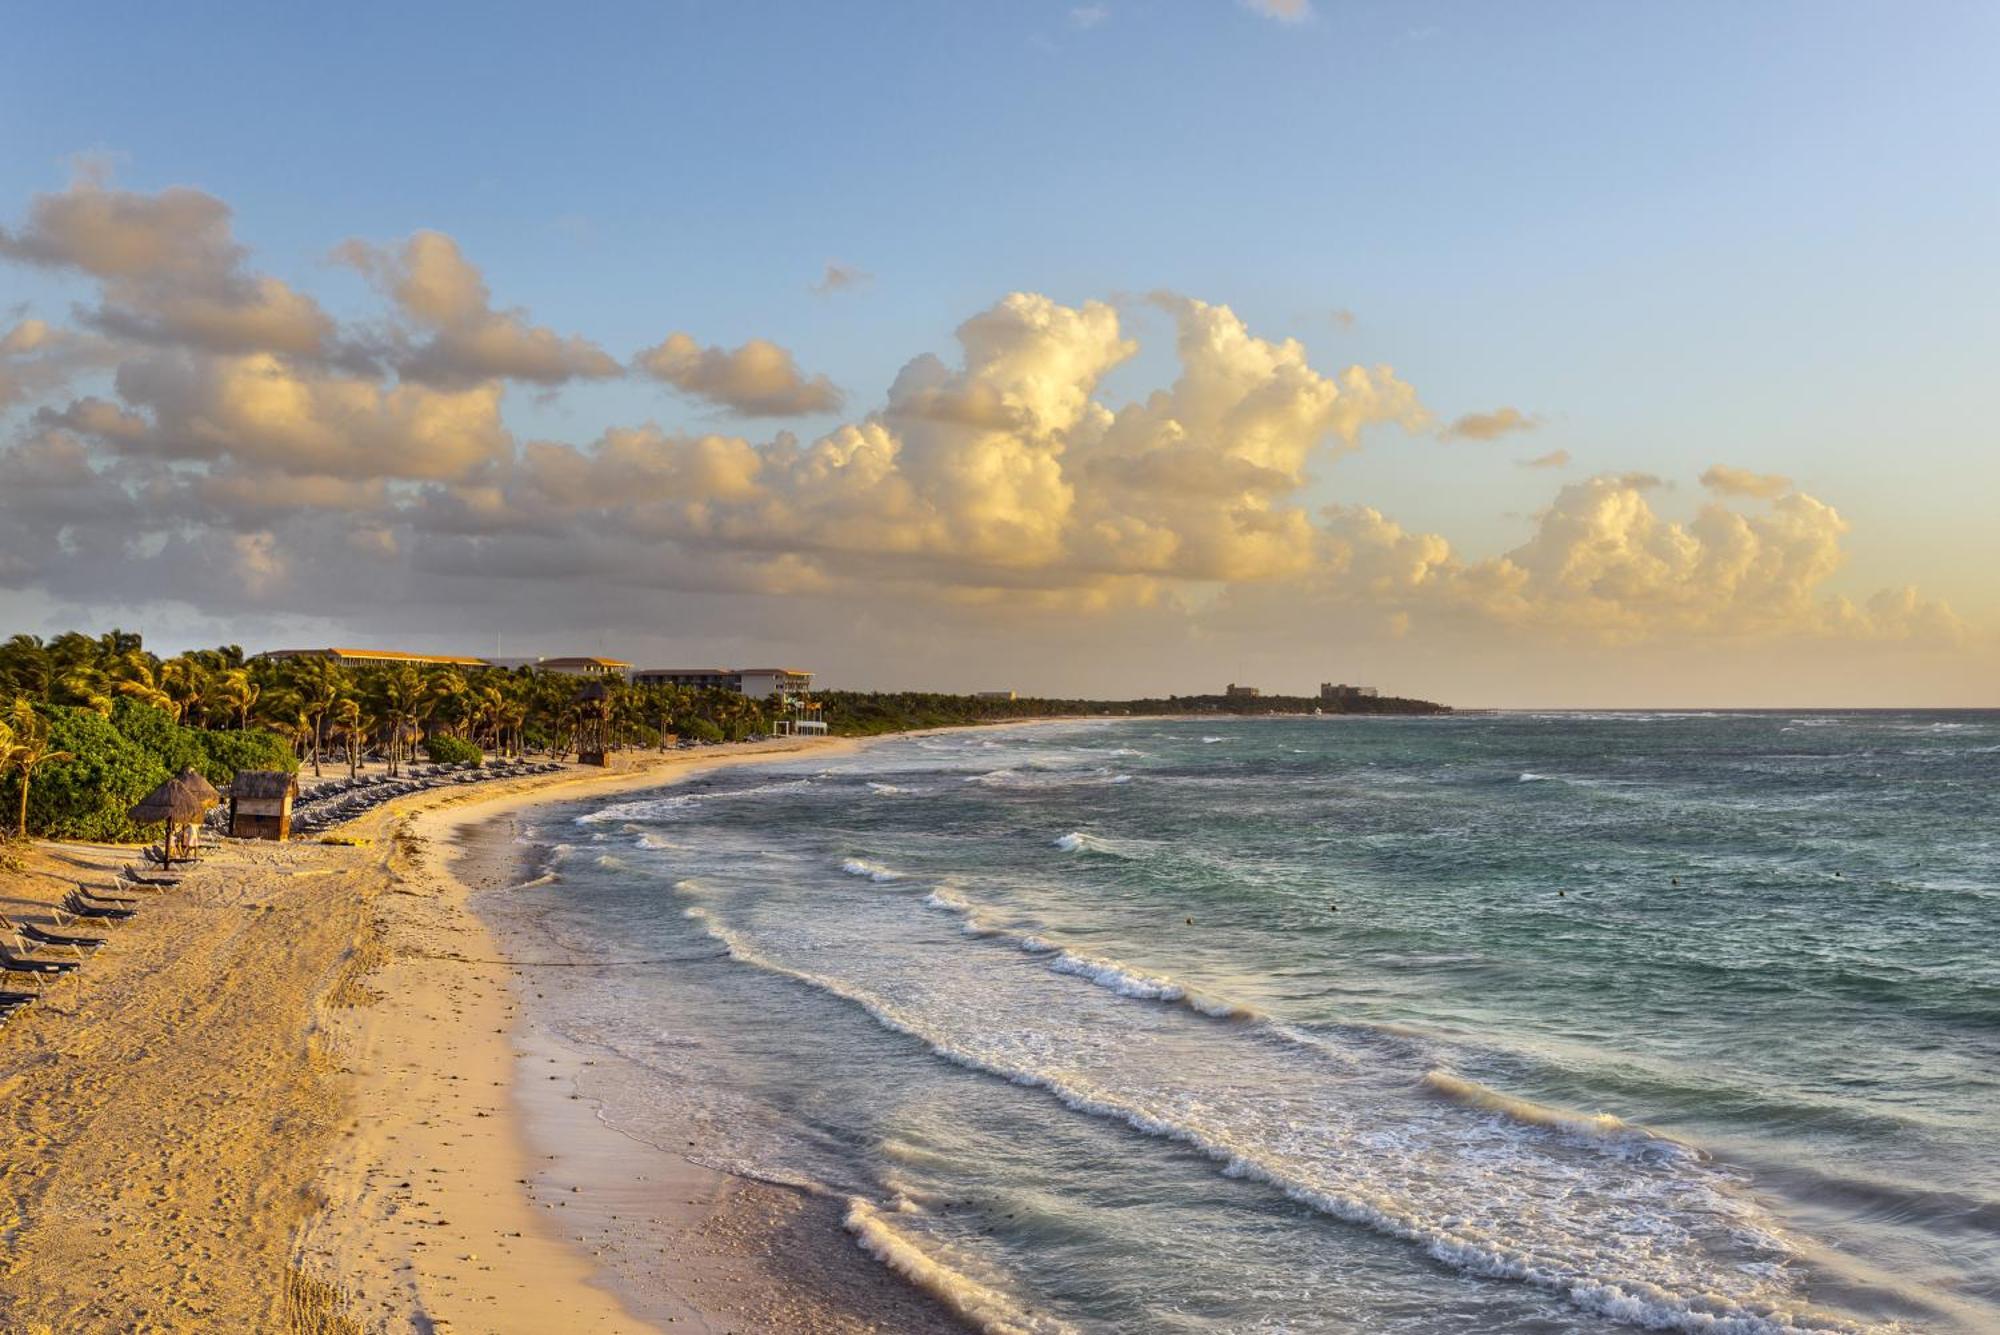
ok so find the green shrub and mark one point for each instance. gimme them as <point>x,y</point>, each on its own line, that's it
<point>702,730</point>
<point>452,751</point>
<point>86,796</point>
<point>229,752</point>
<point>117,761</point>
<point>155,731</point>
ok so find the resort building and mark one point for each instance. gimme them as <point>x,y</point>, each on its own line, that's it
<point>994,695</point>
<point>584,667</point>
<point>375,657</point>
<point>1329,691</point>
<point>756,683</point>
<point>1235,692</point>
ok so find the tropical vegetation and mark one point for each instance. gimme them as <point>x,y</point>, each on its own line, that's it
<point>88,724</point>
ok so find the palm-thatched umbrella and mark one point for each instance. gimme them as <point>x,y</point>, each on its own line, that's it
<point>194,779</point>
<point>176,802</point>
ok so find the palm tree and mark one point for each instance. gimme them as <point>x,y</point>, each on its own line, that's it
<point>238,693</point>
<point>132,674</point>
<point>397,694</point>
<point>348,725</point>
<point>284,713</point>
<point>27,751</point>
<point>184,680</point>
<point>318,684</point>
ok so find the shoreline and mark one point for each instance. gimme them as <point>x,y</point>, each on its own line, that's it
<point>287,1097</point>
<point>485,1115</point>
<point>476,1108</point>
<point>283,1096</point>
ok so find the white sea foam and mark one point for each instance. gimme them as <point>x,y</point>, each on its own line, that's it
<point>873,871</point>
<point>657,808</point>
<point>1602,1130</point>
<point>1620,1244</point>
<point>609,862</point>
<point>979,1305</point>
<point>885,789</point>
<point>1211,741</point>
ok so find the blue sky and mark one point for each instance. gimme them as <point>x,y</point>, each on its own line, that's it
<point>1759,235</point>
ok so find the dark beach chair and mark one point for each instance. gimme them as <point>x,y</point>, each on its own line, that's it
<point>36,970</point>
<point>109,901</point>
<point>27,936</point>
<point>78,907</point>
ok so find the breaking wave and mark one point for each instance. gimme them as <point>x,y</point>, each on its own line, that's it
<point>1589,1270</point>
<point>979,1306</point>
<point>1598,1129</point>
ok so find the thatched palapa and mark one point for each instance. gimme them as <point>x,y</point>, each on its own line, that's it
<point>194,779</point>
<point>176,801</point>
<point>260,803</point>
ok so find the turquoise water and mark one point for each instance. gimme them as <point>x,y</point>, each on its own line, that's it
<point>1483,1023</point>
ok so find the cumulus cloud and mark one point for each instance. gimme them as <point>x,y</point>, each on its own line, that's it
<point>168,268</point>
<point>841,278</point>
<point>38,359</point>
<point>999,477</point>
<point>1727,481</point>
<point>759,379</point>
<point>262,411</point>
<point>1489,426</point>
<point>1603,566</point>
<point>440,292</point>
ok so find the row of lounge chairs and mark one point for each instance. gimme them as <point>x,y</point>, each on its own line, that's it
<point>82,914</point>
<point>344,799</point>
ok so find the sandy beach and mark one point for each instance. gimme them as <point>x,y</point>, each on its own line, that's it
<point>290,1096</point>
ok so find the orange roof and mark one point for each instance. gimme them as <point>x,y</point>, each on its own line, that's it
<point>578,662</point>
<point>376,655</point>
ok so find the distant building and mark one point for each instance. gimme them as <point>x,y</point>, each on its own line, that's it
<point>373,657</point>
<point>1329,691</point>
<point>760,682</point>
<point>994,695</point>
<point>1235,692</point>
<point>584,667</point>
<point>754,682</point>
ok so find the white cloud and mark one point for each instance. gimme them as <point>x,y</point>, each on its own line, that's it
<point>759,379</point>
<point>1489,426</point>
<point>1727,481</point>
<point>465,340</point>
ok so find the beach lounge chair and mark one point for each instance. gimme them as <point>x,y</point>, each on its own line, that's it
<point>27,936</point>
<point>78,907</point>
<point>38,970</point>
<point>110,901</point>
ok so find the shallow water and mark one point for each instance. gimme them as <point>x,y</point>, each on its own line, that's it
<point>1484,1023</point>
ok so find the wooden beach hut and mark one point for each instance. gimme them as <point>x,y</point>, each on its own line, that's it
<point>175,802</point>
<point>260,804</point>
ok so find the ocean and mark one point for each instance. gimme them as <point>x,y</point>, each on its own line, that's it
<point>1483,1023</point>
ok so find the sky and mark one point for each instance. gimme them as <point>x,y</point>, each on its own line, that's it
<point>1507,355</point>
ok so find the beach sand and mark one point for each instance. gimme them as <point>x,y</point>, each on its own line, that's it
<point>296,1094</point>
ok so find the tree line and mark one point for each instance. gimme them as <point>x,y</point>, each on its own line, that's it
<point>89,724</point>
<point>94,722</point>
